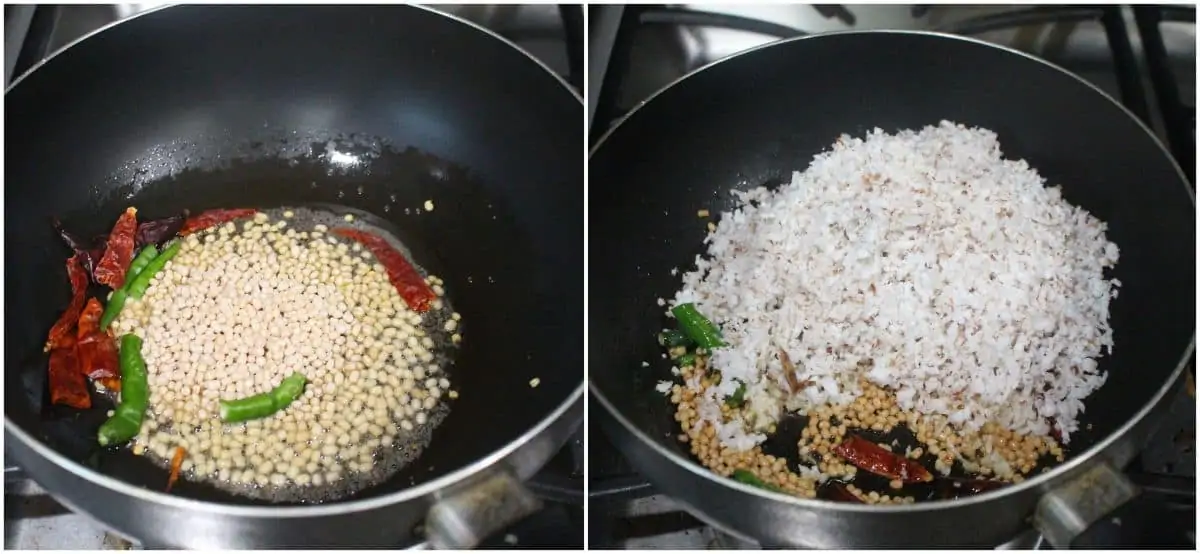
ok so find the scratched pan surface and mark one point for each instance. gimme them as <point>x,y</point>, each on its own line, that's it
<point>753,119</point>
<point>372,109</point>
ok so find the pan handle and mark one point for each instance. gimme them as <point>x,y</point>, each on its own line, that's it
<point>463,518</point>
<point>1103,507</point>
<point>13,474</point>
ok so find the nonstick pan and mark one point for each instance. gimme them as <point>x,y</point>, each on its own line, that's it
<point>754,118</point>
<point>372,109</point>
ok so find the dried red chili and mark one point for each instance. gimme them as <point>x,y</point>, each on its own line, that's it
<point>159,231</point>
<point>411,286</point>
<point>871,457</point>
<point>98,356</point>
<point>839,492</point>
<point>89,318</point>
<point>62,329</point>
<point>119,251</point>
<point>210,218</point>
<point>1055,433</point>
<point>67,384</point>
<point>89,252</point>
<point>97,350</point>
<point>957,487</point>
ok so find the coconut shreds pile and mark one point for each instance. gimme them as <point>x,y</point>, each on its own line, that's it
<point>922,260</point>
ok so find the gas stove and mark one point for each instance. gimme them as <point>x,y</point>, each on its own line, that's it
<point>553,34</point>
<point>33,520</point>
<point>1144,56</point>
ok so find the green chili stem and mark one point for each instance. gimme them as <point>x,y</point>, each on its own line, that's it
<point>265,404</point>
<point>137,287</point>
<point>697,327</point>
<point>126,421</point>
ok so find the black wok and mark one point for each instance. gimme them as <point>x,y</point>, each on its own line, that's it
<point>371,108</point>
<point>754,118</point>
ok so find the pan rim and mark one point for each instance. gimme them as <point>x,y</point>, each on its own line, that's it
<point>482,463</point>
<point>1031,484</point>
<point>315,510</point>
<point>466,22</point>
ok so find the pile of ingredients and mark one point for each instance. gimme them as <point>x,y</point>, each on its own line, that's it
<point>927,313</point>
<point>288,355</point>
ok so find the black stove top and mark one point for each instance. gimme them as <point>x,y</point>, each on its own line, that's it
<point>1134,54</point>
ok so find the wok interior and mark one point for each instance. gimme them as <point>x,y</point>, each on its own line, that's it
<point>231,127</point>
<point>754,119</point>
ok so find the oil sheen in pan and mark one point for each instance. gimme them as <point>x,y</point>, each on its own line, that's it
<point>408,444</point>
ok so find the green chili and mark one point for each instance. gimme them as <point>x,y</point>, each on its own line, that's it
<point>116,303</point>
<point>126,420</point>
<point>140,262</point>
<point>671,338</point>
<point>686,360</point>
<point>738,398</point>
<point>744,476</point>
<point>697,327</point>
<point>137,287</point>
<point>288,390</point>
<point>265,404</point>
<point>244,409</point>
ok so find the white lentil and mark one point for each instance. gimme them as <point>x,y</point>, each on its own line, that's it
<point>219,322</point>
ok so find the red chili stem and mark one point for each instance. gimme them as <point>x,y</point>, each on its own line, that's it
<point>111,383</point>
<point>176,466</point>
